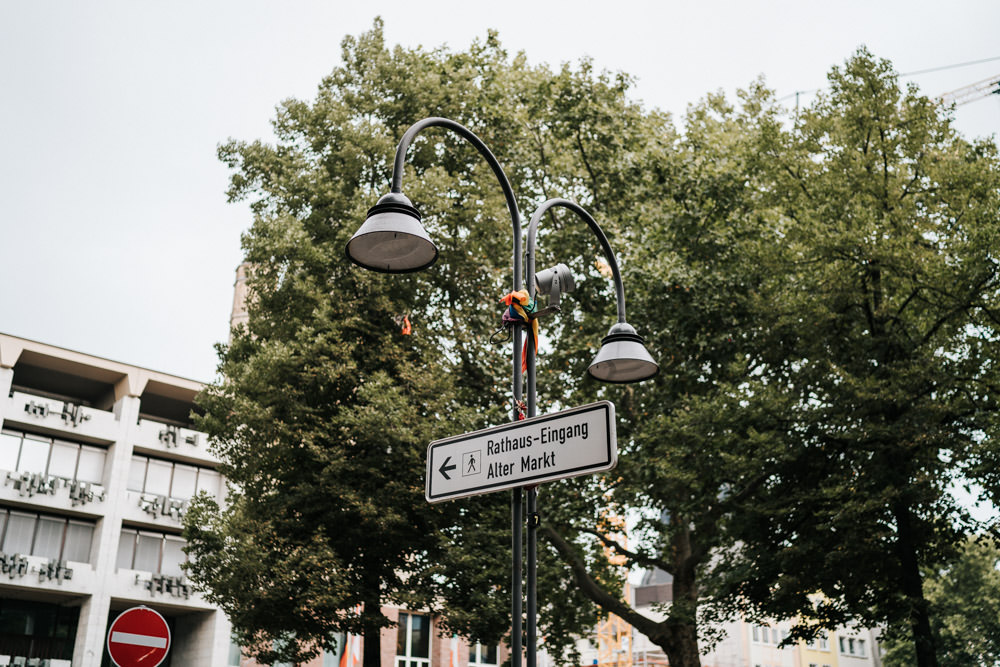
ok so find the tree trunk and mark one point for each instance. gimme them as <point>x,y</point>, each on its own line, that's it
<point>682,643</point>
<point>372,640</point>
<point>682,619</point>
<point>372,655</point>
<point>677,636</point>
<point>912,585</point>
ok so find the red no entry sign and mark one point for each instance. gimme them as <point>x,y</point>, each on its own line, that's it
<point>139,637</point>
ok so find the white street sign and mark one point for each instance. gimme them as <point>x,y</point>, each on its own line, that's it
<point>573,442</point>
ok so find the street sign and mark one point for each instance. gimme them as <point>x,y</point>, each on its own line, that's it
<point>139,637</point>
<point>573,442</point>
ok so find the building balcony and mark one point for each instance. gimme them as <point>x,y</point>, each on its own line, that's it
<point>49,492</point>
<point>172,442</point>
<point>160,589</point>
<point>56,417</point>
<point>36,573</point>
<point>154,510</point>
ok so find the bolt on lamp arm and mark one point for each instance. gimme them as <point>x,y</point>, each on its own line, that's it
<point>467,134</point>
<point>598,232</point>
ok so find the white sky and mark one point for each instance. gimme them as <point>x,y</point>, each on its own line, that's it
<point>115,237</point>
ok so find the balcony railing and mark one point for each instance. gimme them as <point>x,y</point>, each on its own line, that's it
<point>64,416</point>
<point>173,441</point>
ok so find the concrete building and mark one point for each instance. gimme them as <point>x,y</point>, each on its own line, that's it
<point>98,462</point>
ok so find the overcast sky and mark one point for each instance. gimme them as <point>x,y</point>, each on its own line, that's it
<point>115,236</point>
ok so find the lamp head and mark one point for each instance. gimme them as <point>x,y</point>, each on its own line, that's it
<point>559,276</point>
<point>623,357</point>
<point>392,240</point>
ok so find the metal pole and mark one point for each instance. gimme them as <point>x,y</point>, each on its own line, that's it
<point>517,515</point>
<point>533,519</point>
<point>532,576</point>
<point>516,511</point>
<point>515,583</point>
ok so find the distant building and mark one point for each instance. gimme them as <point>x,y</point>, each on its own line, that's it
<point>239,315</point>
<point>98,462</point>
<point>744,644</point>
<point>416,642</point>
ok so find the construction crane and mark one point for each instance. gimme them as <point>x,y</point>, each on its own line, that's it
<point>972,92</point>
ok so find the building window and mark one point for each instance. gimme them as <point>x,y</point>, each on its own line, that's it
<point>36,454</point>
<point>234,653</point>
<point>144,550</point>
<point>768,635</point>
<point>332,658</point>
<point>171,480</point>
<point>53,537</point>
<point>824,642</point>
<point>852,646</point>
<point>413,641</point>
<point>37,632</point>
<point>485,656</point>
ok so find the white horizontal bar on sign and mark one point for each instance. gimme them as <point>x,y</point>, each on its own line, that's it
<point>138,640</point>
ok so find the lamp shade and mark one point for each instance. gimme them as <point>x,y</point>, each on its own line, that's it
<point>623,357</point>
<point>392,240</point>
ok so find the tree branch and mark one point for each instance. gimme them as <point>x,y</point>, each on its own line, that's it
<point>592,590</point>
<point>641,559</point>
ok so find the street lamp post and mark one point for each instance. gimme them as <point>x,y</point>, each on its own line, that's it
<point>393,240</point>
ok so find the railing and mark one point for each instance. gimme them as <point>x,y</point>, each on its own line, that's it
<point>18,566</point>
<point>28,484</point>
<point>66,416</point>
<point>172,440</point>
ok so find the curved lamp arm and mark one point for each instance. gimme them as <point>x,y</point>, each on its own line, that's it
<point>515,220</point>
<point>598,232</point>
<point>467,134</point>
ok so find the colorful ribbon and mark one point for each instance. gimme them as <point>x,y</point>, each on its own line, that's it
<point>519,308</point>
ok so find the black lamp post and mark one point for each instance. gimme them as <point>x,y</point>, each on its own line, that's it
<point>393,240</point>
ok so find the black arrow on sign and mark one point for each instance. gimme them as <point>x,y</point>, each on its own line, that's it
<point>445,468</point>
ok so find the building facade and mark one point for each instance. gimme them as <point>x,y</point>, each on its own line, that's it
<point>744,644</point>
<point>98,463</point>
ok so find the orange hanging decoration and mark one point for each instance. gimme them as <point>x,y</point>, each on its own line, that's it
<point>407,329</point>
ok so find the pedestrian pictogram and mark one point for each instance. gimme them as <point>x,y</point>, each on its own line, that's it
<point>472,462</point>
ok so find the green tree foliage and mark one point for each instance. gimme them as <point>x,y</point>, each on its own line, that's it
<point>884,330</point>
<point>323,410</point>
<point>696,443</point>
<point>823,296</point>
<point>964,602</point>
<point>820,292</point>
